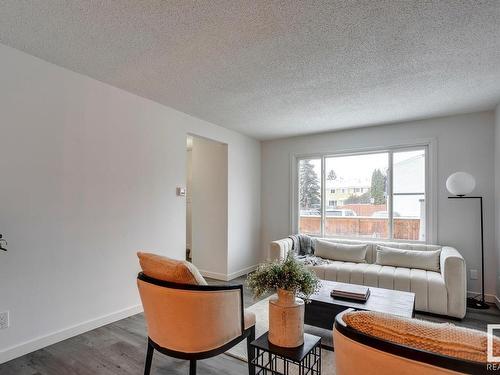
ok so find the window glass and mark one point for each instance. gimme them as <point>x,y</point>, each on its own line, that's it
<point>358,186</point>
<point>409,195</point>
<point>357,201</point>
<point>309,187</point>
<point>409,172</point>
<point>409,217</point>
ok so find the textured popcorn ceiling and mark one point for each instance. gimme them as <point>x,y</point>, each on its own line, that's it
<point>276,68</point>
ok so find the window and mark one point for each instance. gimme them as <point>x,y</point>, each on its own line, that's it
<point>385,197</point>
<point>309,185</point>
<point>409,195</point>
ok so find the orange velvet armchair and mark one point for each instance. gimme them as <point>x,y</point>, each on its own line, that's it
<point>375,343</point>
<point>194,322</point>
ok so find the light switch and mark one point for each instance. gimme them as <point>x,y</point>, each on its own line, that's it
<point>473,274</point>
<point>181,192</point>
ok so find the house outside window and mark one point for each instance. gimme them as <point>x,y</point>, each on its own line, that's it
<point>371,195</point>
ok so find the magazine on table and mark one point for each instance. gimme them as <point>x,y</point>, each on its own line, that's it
<point>351,291</point>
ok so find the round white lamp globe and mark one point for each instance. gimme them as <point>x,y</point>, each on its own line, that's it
<point>460,183</point>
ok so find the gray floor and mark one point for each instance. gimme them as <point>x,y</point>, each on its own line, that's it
<point>119,348</point>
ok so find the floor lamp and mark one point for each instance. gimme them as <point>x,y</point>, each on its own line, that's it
<point>460,184</point>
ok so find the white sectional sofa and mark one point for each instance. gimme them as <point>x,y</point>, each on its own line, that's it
<point>442,292</point>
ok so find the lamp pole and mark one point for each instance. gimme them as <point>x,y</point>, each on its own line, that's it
<point>471,301</point>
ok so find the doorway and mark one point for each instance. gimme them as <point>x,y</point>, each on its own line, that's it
<point>207,205</point>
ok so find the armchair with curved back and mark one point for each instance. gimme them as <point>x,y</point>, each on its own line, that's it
<point>194,322</point>
<point>376,343</point>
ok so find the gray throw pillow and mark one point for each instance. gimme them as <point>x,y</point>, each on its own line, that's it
<point>343,252</point>
<point>425,260</point>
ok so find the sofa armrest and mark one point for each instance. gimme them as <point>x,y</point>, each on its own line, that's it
<point>454,274</point>
<point>278,250</point>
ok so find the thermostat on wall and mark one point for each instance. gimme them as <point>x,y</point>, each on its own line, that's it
<point>181,192</point>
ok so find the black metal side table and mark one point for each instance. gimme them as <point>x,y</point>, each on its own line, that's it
<point>272,359</point>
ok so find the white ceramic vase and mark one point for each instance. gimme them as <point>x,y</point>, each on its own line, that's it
<point>286,319</point>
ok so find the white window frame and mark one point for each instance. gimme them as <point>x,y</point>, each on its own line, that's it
<point>430,146</point>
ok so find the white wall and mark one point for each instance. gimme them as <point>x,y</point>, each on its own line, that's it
<point>189,185</point>
<point>209,195</point>
<point>464,142</point>
<point>87,177</point>
<point>497,197</point>
<point>244,211</point>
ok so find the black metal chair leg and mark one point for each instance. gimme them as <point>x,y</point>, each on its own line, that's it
<point>149,359</point>
<point>192,367</point>
<point>251,351</point>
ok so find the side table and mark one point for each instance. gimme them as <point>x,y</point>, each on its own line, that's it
<point>272,359</point>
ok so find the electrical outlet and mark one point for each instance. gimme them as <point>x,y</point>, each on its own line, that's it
<point>4,320</point>
<point>473,274</point>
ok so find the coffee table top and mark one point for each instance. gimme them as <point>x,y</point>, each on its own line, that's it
<point>389,301</point>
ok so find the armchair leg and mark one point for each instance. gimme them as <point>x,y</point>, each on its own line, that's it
<point>192,367</point>
<point>251,351</point>
<point>149,359</point>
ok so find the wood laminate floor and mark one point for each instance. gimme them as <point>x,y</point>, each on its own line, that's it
<point>119,349</point>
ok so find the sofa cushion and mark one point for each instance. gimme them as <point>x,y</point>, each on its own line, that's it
<point>166,269</point>
<point>318,270</point>
<point>429,287</point>
<point>342,252</point>
<point>441,338</point>
<point>425,260</point>
<point>371,252</point>
<point>370,277</point>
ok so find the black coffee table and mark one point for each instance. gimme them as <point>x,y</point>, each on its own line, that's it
<point>323,308</point>
<point>272,359</point>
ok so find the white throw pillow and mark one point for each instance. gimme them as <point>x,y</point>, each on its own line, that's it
<point>340,251</point>
<point>425,260</point>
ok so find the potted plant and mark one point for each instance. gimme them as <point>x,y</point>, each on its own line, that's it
<point>291,279</point>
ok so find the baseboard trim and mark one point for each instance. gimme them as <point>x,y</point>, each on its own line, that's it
<point>230,276</point>
<point>66,333</point>
<point>490,298</point>
<point>214,275</point>
<point>497,302</point>
<point>242,272</point>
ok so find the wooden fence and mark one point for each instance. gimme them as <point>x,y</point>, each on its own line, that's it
<point>373,227</point>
